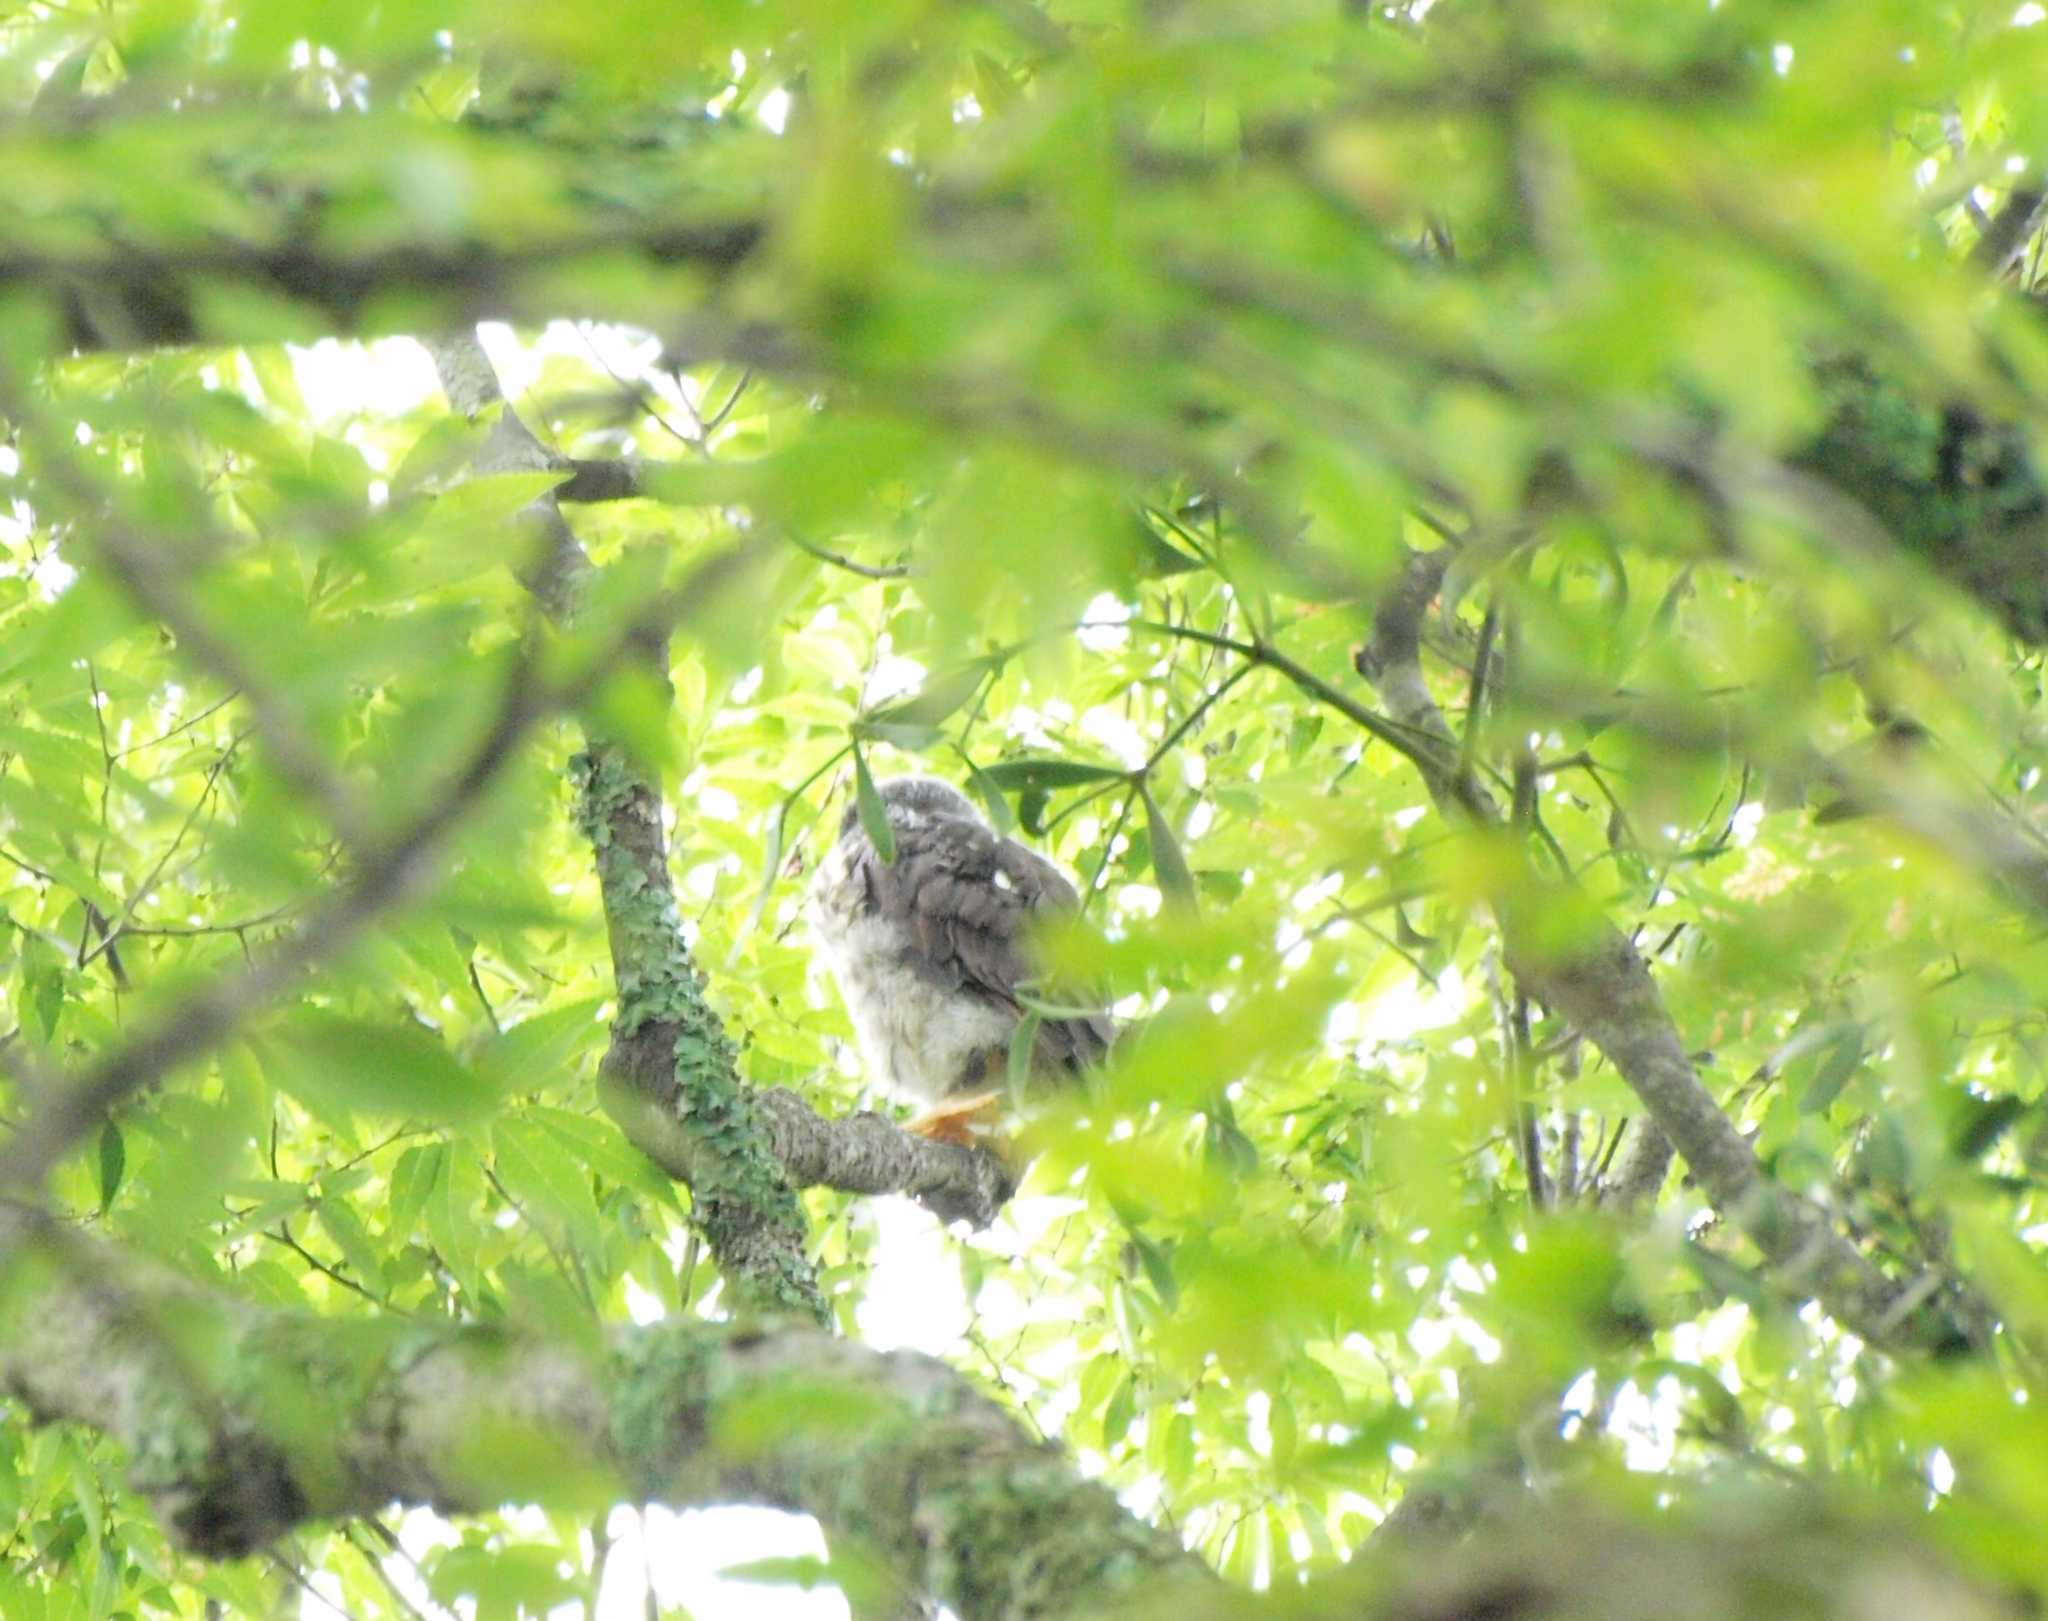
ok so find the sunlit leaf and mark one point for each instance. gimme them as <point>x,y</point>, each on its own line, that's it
<point>874,815</point>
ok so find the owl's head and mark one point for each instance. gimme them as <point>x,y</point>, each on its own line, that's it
<point>919,796</point>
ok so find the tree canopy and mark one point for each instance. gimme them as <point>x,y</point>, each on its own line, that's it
<point>1503,544</point>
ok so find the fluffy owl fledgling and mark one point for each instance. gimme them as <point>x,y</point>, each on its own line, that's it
<point>930,951</point>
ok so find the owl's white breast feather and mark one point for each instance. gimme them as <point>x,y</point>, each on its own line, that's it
<point>917,1038</point>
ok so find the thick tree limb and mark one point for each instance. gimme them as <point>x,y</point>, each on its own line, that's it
<point>242,1424</point>
<point>124,295</point>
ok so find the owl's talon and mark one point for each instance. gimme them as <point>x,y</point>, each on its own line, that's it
<point>961,1121</point>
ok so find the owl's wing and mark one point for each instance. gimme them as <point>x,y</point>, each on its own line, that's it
<point>970,898</point>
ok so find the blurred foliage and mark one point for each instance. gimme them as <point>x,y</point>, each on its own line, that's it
<point>1037,360</point>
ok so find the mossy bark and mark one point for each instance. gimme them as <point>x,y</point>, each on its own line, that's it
<point>244,1423</point>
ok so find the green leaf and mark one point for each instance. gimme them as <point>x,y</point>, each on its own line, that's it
<point>441,457</point>
<point>595,1143</point>
<point>272,1201</point>
<point>1013,775</point>
<point>40,978</point>
<point>453,1219</point>
<point>341,1067</point>
<point>805,1571</point>
<point>771,861</point>
<point>353,1240</point>
<point>1158,1266</point>
<point>517,1579</point>
<point>1286,1430</point>
<point>940,696</point>
<point>1835,1070</point>
<point>487,503</point>
<point>113,1162</point>
<point>1226,1146</point>
<point>874,815</point>
<point>1180,1452</point>
<point>1119,1414</point>
<point>86,1492</point>
<point>1169,865</point>
<point>543,1049</point>
<point>550,1186</point>
<point>911,738</point>
<point>1018,1063</point>
<point>990,793</point>
<point>412,1180</point>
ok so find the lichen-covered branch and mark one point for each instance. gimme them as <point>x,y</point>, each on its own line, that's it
<point>672,1076</point>
<point>669,1048</point>
<point>243,1423</point>
<point>869,1153</point>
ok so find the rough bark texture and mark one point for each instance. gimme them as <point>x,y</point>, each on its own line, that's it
<point>242,1424</point>
<point>667,1042</point>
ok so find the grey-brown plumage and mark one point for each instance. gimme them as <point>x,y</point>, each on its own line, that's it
<point>931,950</point>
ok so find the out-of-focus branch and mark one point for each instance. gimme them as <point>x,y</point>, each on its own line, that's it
<point>1769,1557</point>
<point>2005,235</point>
<point>126,295</point>
<point>1639,1177</point>
<point>621,479</point>
<point>303,1418</point>
<point>390,868</point>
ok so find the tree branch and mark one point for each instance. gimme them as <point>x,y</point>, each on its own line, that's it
<point>391,869</point>
<point>1599,981</point>
<point>120,295</point>
<point>669,1050</point>
<point>302,1418</point>
<point>672,1077</point>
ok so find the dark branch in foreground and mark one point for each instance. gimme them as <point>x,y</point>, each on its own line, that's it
<point>119,295</point>
<point>291,1418</point>
<point>389,872</point>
